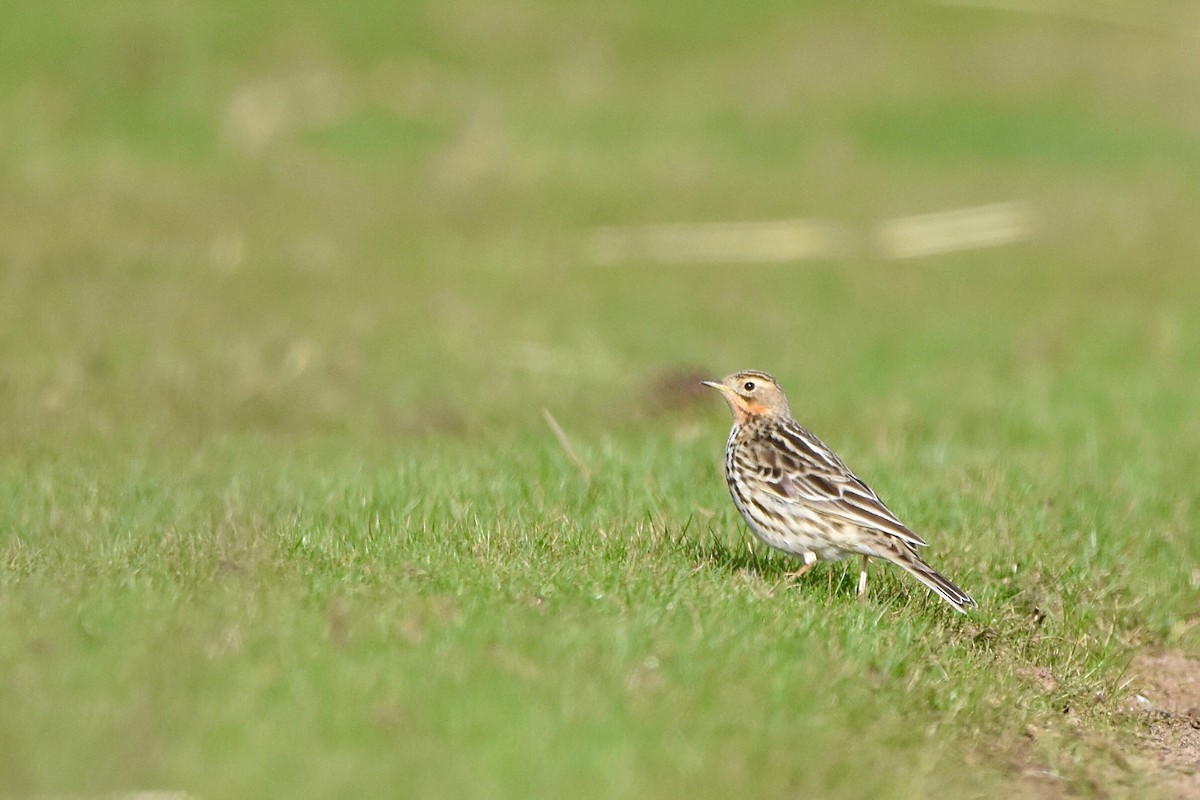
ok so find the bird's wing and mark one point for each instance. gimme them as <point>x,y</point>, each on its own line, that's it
<point>797,467</point>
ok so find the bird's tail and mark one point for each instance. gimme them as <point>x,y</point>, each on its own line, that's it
<point>935,580</point>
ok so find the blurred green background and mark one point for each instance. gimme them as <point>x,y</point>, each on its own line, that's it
<point>282,283</point>
<point>336,218</point>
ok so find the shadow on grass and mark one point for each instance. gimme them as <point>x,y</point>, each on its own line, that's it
<point>743,557</point>
<point>888,586</point>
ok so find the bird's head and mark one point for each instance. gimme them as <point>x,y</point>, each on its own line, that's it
<point>752,394</point>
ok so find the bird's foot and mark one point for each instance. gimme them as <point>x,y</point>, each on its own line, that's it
<point>810,561</point>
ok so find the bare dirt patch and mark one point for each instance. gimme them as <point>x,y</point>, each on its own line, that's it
<point>677,388</point>
<point>1165,692</point>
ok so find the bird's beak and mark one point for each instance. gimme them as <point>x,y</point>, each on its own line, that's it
<point>736,404</point>
<point>729,394</point>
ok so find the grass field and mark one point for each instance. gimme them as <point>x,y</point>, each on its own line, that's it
<point>284,291</point>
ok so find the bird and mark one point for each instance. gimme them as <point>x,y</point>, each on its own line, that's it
<point>798,496</point>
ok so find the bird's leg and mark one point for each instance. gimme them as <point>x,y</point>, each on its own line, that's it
<point>862,578</point>
<point>810,561</point>
<point>800,573</point>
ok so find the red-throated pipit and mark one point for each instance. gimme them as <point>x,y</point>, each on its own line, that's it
<point>799,497</point>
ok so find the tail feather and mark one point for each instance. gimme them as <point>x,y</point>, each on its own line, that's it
<point>936,581</point>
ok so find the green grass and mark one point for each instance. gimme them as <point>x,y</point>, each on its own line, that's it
<point>279,514</point>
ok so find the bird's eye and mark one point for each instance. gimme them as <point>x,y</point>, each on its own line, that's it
<point>748,386</point>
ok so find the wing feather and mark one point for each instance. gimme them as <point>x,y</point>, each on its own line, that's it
<point>797,467</point>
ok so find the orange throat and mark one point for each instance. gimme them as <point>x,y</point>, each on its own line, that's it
<point>746,410</point>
